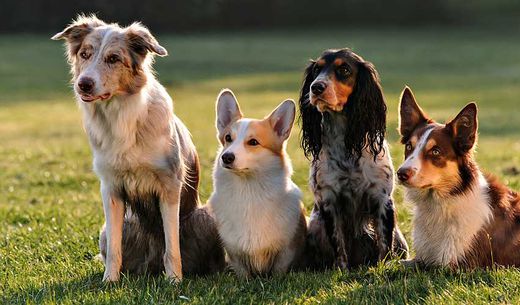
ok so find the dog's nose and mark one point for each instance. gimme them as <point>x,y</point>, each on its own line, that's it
<point>86,84</point>
<point>405,173</point>
<point>228,158</point>
<point>318,87</point>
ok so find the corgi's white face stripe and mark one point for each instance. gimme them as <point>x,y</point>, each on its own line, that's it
<point>414,160</point>
<point>243,158</point>
<point>237,146</point>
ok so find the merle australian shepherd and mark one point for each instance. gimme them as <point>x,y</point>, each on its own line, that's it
<point>343,117</point>
<point>143,155</point>
<point>462,217</point>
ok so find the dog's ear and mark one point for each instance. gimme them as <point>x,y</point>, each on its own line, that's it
<point>141,41</point>
<point>228,110</point>
<point>75,33</point>
<point>366,113</point>
<point>410,114</point>
<point>464,128</point>
<point>282,119</point>
<point>310,117</point>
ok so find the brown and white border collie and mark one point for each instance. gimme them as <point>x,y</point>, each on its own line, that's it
<point>257,206</point>
<point>462,217</point>
<point>143,155</point>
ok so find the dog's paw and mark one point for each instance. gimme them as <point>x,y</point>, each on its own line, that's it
<point>342,262</point>
<point>173,268</point>
<point>174,279</point>
<point>110,277</point>
<point>409,263</point>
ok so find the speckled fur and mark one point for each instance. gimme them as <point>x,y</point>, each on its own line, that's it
<point>354,219</point>
<point>356,192</point>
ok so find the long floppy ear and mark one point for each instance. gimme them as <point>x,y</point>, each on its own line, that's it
<point>310,117</point>
<point>141,41</point>
<point>410,114</point>
<point>76,32</point>
<point>464,129</point>
<point>366,113</point>
<point>228,111</point>
<point>282,119</point>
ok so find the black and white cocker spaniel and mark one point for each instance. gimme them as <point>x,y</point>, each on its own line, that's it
<point>343,117</point>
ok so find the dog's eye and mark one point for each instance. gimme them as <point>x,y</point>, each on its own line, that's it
<point>112,59</point>
<point>84,55</point>
<point>253,142</point>
<point>228,138</point>
<point>408,147</point>
<point>436,151</point>
<point>344,71</point>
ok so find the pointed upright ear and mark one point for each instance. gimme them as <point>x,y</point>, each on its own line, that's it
<point>228,110</point>
<point>410,114</point>
<point>282,119</point>
<point>141,41</point>
<point>75,33</point>
<point>464,128</point>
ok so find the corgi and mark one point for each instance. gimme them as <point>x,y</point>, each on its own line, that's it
<point>463,218</point>
<point>257,207</point>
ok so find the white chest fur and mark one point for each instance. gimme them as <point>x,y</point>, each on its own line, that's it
<point>444,229</point>
<point>131,133</point>
<point>255,214</point>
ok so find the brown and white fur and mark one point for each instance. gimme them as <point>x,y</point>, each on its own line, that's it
<point>143,154</point>
<point>257,207</point>
<point>462,217</point>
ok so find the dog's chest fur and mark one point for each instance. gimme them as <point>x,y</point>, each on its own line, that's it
<point>136,149</point>
<point>345,184</point>
<point>445,230</point>
<point>133,137</point>
<point>257,216</point>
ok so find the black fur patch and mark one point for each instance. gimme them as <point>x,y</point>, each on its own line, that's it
<point>467,170</point>
<point>146,208</point>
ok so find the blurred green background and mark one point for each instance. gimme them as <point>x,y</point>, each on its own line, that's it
<point>208,15</point>
<point>449,52</point>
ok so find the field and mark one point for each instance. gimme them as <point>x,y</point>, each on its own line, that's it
<point>50,208</point>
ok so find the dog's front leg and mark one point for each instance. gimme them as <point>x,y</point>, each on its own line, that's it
<point>339,242</point>
<point>170,206</point>
<point>114,209</point>
<point>385,226</point>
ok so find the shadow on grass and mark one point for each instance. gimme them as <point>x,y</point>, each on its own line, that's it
<point>372,286</point>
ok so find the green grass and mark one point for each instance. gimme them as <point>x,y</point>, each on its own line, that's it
<point>50,208</point>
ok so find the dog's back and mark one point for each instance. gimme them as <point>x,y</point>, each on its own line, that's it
<point>499,241</point>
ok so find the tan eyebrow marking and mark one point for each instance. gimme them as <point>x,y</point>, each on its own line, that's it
<point>413,139</point>
<point>431,143</point>
<point>321,62</point>
<point>338,62</point>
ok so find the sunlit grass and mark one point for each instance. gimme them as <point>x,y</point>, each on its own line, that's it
<point>50,207</point>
